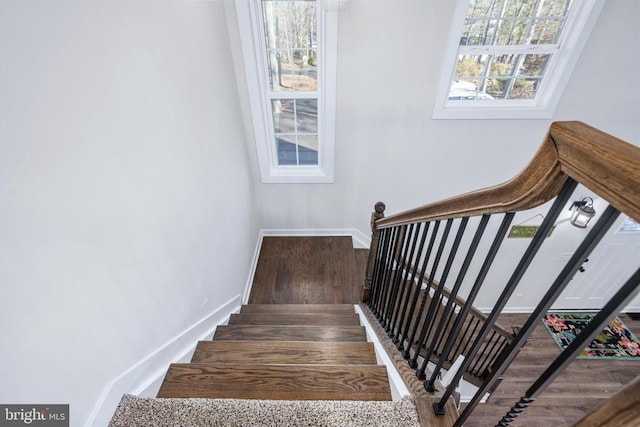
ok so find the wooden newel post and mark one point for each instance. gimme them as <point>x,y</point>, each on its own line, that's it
<point>378,213</point>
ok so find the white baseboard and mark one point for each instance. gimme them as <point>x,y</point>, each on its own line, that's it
<point>149,371</point>
<point>252,269</point>
<point>360,239</point>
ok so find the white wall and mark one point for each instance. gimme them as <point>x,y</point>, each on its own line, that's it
<point>127,211</point>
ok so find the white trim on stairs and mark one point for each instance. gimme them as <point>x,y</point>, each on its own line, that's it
<point>145,374</point>
<point>360,240</point>
<point>398,388</point>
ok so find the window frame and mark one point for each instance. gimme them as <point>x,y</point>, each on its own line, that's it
<point>250,25</point>
<point>558,71</point>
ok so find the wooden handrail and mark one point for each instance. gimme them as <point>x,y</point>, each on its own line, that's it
<point>605,164</point>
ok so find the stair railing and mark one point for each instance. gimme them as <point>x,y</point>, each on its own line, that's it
<point>414,255</point>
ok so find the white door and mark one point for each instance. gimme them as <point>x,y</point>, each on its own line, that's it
<point>608,267</point>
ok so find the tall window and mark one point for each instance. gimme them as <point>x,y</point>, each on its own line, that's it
<point>513,55</point>
<point>291,54</point>
<point>290,65</point>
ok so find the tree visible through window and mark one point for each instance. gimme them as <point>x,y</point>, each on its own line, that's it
<point>512,58</point>
<point>506,47</point>
<point>290,30</point>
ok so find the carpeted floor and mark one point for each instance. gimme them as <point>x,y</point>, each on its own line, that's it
<point>135,411</point>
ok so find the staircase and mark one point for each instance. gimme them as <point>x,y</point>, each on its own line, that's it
<point>283,352</point>
<point>317,351</point>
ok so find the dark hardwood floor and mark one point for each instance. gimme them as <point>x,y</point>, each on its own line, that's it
<point>308,270</point>
<point>578,390</point>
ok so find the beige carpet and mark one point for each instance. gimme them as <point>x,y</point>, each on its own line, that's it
<point>135,411</point>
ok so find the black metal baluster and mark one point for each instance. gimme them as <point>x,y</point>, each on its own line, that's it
<point>406,352</point>
<point>502,345</point>
<point>375,276</point>
<point>412,293</point>
<point>384,273</point>
<point>443,338</point>
<point>426,326</point>
<point>388,271</point>
<point>439,330</point>
<point>525,261</point>
<point>484,355</point>
<point>378,273</point>
<point>464,336</point>
<point>398,254</point>
<point>449,309</point>
<point>607,219</point>
<point>410,270</point>
<point>400,283</point>
<point>621,298</point>
<point>464,312</point>
<point>467,343</point>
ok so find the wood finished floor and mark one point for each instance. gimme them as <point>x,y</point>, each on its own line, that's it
<point>578,390</point>
<point>325,270</point>
<point>307,270</point>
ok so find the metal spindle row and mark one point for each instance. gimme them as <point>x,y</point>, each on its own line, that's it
<point>426,320</point>
<point>402,288</point>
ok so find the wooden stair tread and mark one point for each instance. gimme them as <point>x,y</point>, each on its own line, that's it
<point>291,352</point>
<point>424,405</point>
<point>298,308</point>
<point>312,319</point>
<point>276,382</point>
<point>290,333</point>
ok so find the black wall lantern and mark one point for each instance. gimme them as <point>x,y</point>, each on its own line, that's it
<point>582,212</point>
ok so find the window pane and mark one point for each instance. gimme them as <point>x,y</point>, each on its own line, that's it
<point>484,8</point>
<point>283,115</point>
<point>546,31</point>
<point>308,149</point>
<point>477,32</point>
<point>524,89</point>
<point>534,65</point>
<point>502,65</point>
<point>304,152</point>
<point>507,76</point>
<point>305,70</point>
<point>291,41</point>
<point>302,24</point>
<point>496,88</point>
<point>280,77</point>
<point>287,150</point>
<point>275,13</point>
<point>307,115</point>
<point>295,122</point>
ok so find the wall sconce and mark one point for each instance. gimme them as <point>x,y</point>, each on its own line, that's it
<point>582,212</point>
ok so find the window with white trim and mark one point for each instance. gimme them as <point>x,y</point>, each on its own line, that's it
<point>289,50</point>
<point>512,58</point>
